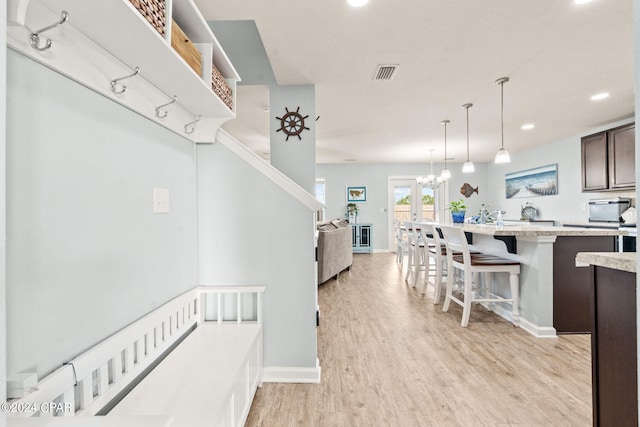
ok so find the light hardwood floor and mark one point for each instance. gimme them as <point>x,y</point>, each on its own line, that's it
<point>390,357</point>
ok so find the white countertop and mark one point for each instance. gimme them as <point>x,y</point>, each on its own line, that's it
<point>624,261</point>
<point>538,230</point>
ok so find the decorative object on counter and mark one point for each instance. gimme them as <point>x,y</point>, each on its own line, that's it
<point>458,210</point>
<point>467,190</point>
<point>34,38</point>
<point>445,174</point>
<point>357,194</point>
<point>541,181</point>
<point>352,213</point>
<point>629,216</point>
<point>292,123</point>
<point>468,165</point>
<point>528,212</point>
<point>430,181</point>
<point>502,156</point>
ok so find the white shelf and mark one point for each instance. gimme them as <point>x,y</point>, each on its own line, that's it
<point>114,28</point>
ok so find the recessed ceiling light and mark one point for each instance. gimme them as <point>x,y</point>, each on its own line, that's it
<point>357,3</point>
<point>527,126</point>
<point>599,96</point>
<point>581,1</point>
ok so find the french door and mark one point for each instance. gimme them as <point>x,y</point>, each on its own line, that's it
<point>410,201</point>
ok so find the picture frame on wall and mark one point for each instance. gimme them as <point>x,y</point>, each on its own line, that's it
<point>357,194</point>
<point>536,182</point>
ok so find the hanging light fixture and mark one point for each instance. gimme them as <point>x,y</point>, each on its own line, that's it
<point>502,156</point>
<point>468,165</point>
<point>445,174</point>
<point>430,181</point>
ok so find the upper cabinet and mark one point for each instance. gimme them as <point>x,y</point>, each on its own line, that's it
<point>608,160</point>
<point>166,62</point>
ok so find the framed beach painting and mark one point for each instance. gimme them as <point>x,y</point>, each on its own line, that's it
<point>541,181</point>
<point>357,194</point>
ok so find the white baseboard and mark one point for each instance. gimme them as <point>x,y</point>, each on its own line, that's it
<point>535,330</point>
<point>284,374</point>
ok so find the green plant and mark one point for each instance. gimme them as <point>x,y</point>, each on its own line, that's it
<point>457,206</point>
<point>352,208</point>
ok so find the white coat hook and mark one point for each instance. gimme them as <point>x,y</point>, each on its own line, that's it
<point>114,82</point>
<point>160,113</point>
<point>34,38</point>
<point>188,128</point>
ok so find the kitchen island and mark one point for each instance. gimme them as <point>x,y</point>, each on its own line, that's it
<point>614,337</point>
<point>554,293</point>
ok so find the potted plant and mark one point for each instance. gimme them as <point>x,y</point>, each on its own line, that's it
<point>458,210</point>
<point>352,212</point>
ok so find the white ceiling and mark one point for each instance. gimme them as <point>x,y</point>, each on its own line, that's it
<point>556,53</point>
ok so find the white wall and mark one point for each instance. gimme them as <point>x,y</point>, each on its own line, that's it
<point>253,232</point>
<point>567,206</point>
<point>86,255</point>
<point>375,178</point>
<point>570,204</point>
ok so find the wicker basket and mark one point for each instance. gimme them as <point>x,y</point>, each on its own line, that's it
<point>221,88</point>
<point>153,11</point>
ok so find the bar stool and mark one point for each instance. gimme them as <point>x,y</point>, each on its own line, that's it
<point>469,263</point>
<point>437,251</point>
<point>416,256</point>
<point>402,243</point>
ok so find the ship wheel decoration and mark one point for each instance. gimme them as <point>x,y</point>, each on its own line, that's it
<point>292,123</point>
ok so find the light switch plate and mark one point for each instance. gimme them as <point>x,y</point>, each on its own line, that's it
<point>160,200</point>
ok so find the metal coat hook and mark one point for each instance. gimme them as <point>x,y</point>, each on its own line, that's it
<point>114,82</point>
<point>188,128</point>
<point>34,38</point>
<point>163,113</point>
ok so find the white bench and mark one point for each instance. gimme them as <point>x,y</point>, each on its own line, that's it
<point>209,378</point>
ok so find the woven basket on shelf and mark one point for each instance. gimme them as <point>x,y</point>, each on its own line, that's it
<point>221,88</point>
<point>153,11</point>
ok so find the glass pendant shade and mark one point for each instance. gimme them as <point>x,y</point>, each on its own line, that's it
<point>468,167</point>
<point>445,174</point>
<point>502,156</point>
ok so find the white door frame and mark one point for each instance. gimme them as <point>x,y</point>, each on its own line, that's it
<point>440,194</point>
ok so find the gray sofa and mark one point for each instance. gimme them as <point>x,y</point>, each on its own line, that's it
<point>334,249</point>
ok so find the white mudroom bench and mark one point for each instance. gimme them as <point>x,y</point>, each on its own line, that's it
<point>195,361</point>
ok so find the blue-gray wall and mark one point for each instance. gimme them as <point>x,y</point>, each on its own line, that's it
<point>253,232</point>
<point>86,255</point>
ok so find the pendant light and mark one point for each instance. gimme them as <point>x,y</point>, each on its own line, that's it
<point>468,165</point>
<point>445,174</point>
<point>502,156</point>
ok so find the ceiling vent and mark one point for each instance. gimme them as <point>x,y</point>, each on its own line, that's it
<point>385,72</point>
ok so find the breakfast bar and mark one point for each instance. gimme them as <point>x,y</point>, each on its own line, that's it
<point>554,293</point>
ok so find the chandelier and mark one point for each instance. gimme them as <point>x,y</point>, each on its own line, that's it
<point>430,181</point>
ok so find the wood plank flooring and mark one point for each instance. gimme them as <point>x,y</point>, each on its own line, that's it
<point>390,357</point>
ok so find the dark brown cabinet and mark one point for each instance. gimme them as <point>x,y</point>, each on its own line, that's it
<point>608,159</point>
<point>571,292</point>
<point>614,347</point>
